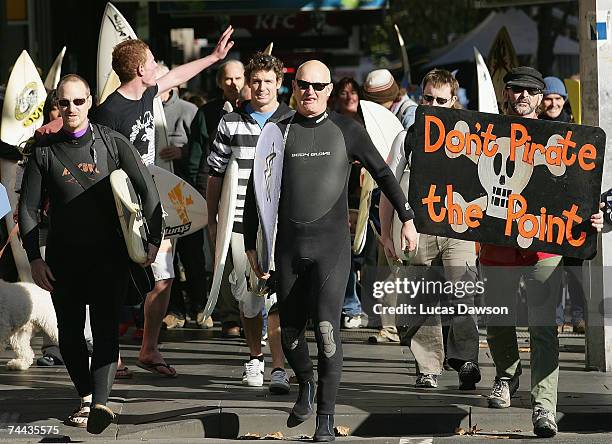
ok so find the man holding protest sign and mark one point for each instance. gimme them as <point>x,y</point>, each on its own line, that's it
<point>424,334</point>
<point>541,275</point>
<point>527,190</point>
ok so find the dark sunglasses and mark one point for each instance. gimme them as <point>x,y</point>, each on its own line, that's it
<point>439,100</point>
<point>519,89</point>
<point>304,85</point>
<point>65,103</point>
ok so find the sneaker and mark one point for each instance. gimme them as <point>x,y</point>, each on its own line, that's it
<point>279,383</point>
<point>469,375</point>
<point>544,424</point>
<point>446,366</point>
<point>48,361</point>
<point>172,320</point>
<point>253,375</point>
<point>351,322</point>
<point>384,336</point>
<point>204,322</point>
<point>426,381</point>
<point>502,391</point>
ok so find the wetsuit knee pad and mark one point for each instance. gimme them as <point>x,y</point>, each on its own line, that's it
<point>326,329</point>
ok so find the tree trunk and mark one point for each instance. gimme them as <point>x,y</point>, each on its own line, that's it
<point>547,36</point>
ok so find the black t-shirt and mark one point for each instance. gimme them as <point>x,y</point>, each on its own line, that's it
<point>133,119</point>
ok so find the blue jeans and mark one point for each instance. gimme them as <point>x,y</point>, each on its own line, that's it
<point>352,304</point>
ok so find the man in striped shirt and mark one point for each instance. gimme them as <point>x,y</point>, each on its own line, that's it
<point>237,135</point>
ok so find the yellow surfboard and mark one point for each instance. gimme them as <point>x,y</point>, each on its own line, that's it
<point>573,95</point>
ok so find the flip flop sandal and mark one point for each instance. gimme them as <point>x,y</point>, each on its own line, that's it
<point>154,368</point>
<point>123,373</point>
<point>100,417</point>
<point>79,417</point>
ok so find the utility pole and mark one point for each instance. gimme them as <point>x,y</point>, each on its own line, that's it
<point>595,34</point>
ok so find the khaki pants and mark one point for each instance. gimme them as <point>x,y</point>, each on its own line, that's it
<point>423,333</point>
<point>542,283</point>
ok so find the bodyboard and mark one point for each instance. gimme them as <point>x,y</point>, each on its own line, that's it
<point>130,215</point>
<point>184,207</point>
<point>225,225</point>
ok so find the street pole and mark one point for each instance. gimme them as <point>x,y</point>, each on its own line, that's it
<point>595,29</point>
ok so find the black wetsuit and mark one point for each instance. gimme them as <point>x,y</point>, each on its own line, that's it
<point>313,244</point>
<point>84,251</point>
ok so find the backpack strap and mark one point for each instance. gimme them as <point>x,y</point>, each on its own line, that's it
<point>110,144</point>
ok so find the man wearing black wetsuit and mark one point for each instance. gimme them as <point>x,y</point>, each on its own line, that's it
<point>313,245</point>
<point>86,261</point>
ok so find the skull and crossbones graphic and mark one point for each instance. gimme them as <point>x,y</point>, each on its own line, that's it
<point>500,176</point>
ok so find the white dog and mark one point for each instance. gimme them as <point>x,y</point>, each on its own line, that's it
<point>25,309</point>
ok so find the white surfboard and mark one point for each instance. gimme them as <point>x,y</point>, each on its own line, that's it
<point>382,126</point>
<point>113,30</point>
<point>225,224</point>
<point>487,100</point>
<point>184,207</point>
<point>130,215</point>
<point>55,72</point>
<point>396,225</point>
<point>161,134</point>
<point>22,114</point>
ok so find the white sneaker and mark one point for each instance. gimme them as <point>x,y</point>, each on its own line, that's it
<point>357,321</point>
<point>253,375</point>
<point>279,383</point>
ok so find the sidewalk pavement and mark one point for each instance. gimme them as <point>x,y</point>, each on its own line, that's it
<point>377,400</point>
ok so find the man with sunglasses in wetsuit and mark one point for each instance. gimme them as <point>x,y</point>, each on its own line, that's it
<point>424,334</point>
<point>313,242</point>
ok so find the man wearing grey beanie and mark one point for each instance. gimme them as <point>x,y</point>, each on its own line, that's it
<point>553,102</point>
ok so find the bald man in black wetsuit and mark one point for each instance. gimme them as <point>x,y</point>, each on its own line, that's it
<point>313,250</point>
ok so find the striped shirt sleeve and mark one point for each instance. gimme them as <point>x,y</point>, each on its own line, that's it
<point>221,149</point>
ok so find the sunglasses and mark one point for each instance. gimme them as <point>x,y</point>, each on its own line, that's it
<point>317,86</point>
<point>519,89</point>
<point>65,103</point>
<point>439,100</point>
